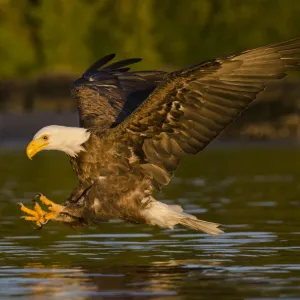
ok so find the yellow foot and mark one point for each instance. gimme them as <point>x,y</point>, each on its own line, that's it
<point>37,214</point>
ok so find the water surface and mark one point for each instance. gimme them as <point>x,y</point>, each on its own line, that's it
<point>254,191</point>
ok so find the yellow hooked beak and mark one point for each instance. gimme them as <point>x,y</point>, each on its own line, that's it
<point>35,146</point>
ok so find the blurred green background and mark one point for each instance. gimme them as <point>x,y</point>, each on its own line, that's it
<point>46,44</point>
<point>68,35</point>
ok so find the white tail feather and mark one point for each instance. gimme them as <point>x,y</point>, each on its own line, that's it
<point>163,215</point>
<point>208,227</point>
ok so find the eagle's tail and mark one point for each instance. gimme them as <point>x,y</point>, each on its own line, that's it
<point>163,215</point>
<point>196,224</point>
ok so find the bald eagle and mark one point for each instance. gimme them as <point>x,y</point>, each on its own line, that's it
<point>136,126</point>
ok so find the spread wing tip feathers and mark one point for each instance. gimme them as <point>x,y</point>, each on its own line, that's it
<point>117,66</point>
<point>119,70</point>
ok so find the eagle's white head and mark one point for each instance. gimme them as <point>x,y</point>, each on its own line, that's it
<point>62,138</point>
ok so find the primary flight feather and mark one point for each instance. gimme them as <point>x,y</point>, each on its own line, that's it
<point>136,126</point>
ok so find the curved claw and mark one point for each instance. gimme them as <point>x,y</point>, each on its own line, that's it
<point>37,227</point>
<point>37,197</point>
<point>44,223</point>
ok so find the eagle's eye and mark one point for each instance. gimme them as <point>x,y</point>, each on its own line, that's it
<point>45,137</point>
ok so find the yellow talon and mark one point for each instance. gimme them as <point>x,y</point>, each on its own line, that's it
<point>37,214</point>
<point>46,201</point>
<point>38,209</point>
<point>30,218</point>
<point>28,211</point>
<point>51,205</point>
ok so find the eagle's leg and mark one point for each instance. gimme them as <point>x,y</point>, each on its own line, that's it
<point>37,214</point>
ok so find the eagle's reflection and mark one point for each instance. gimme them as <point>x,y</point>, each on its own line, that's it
<point>57,282</point>
<point>161,279</point>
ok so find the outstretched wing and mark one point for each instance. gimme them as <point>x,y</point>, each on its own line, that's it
<point>105,95</point>
<point>192,106</point>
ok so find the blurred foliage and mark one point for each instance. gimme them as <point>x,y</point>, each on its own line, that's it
<point>68,35</point>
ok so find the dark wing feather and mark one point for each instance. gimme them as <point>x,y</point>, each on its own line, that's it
<point>99,63</point>
<point>106,95</point>
<point>192,106</point>
<point>121,64</point>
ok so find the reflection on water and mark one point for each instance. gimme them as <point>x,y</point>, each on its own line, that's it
<point>254,192</point>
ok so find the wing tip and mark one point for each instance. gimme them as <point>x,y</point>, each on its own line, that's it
<point>99,63</point>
